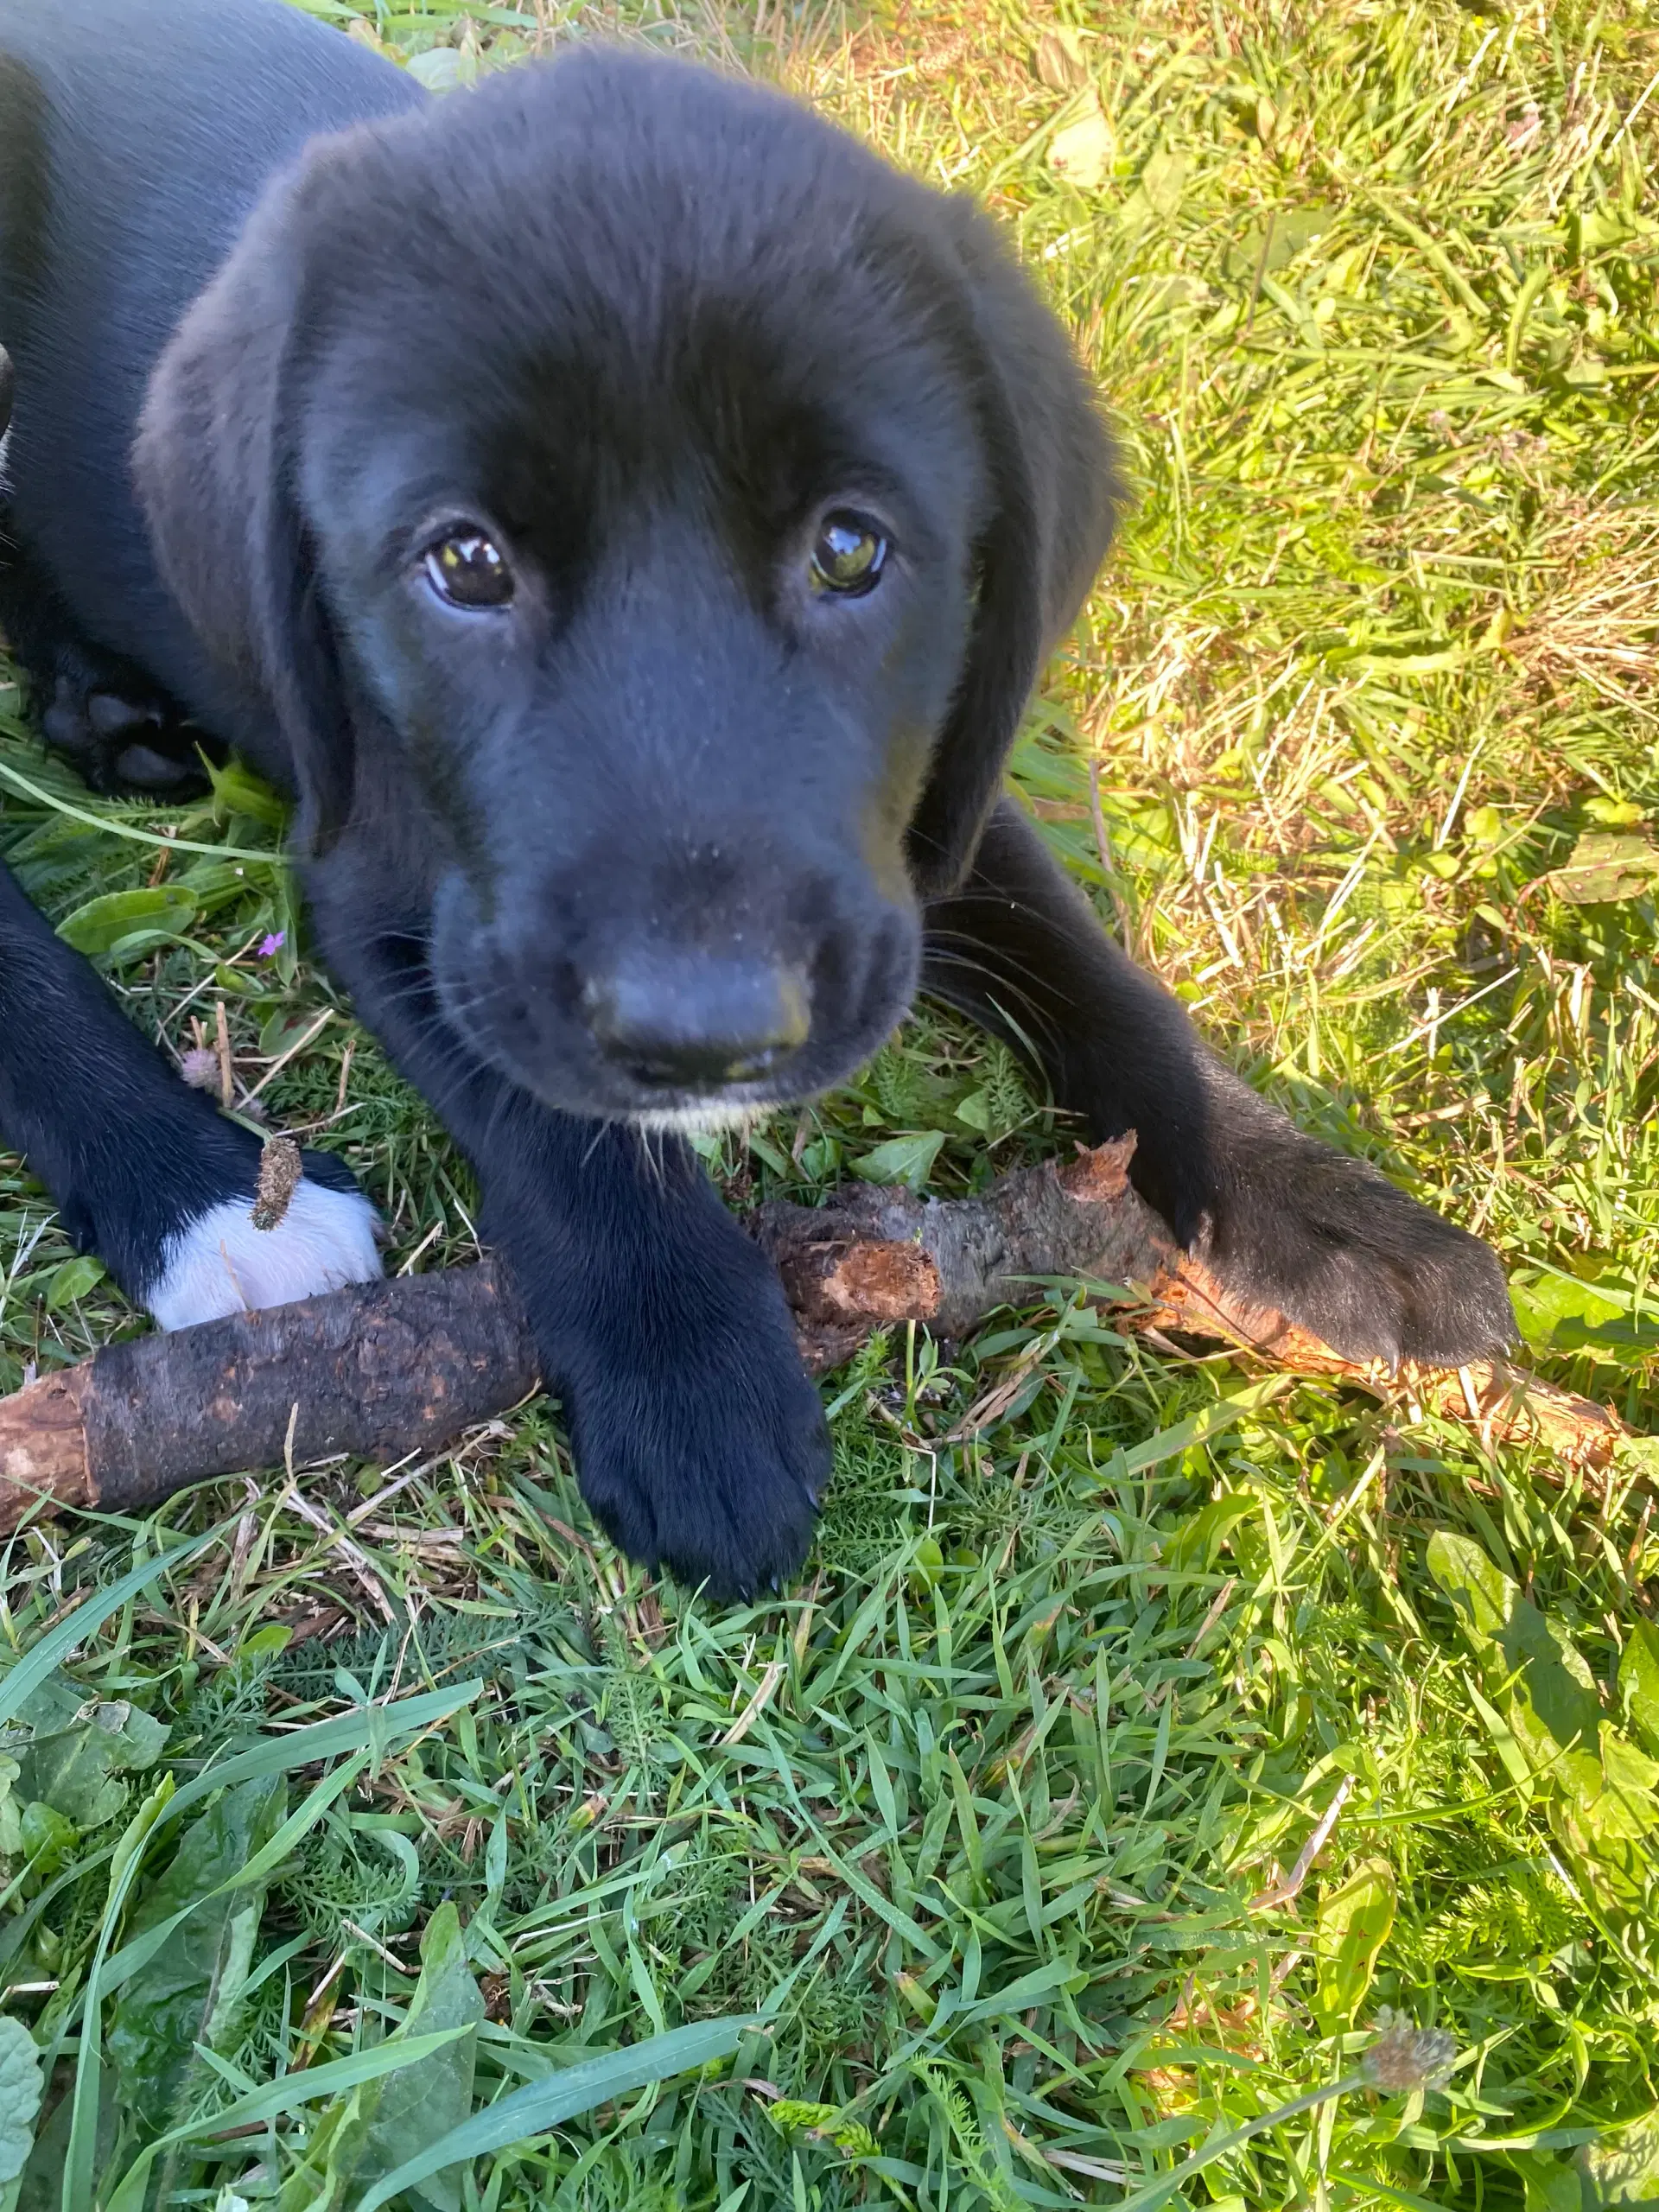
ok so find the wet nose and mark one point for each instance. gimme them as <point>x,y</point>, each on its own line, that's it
<point>696,1022</point>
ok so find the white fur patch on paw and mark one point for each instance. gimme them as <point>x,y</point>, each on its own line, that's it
<point>222,1264</point>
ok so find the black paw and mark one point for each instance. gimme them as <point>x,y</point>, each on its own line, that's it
<point>701,1444</point>
<point>121,734</point>
<point>1331,1242</point>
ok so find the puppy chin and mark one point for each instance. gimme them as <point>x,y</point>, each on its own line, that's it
<point>703,1118</point>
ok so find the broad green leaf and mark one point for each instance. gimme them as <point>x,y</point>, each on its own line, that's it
<point>72,1280</point>
<point>46,1838</point>
<point>102,924</point>
<point>1353,1926</point>
<point>1603,1806</point>
<point>21,2084</point>
<point>1198,1541</point>
<point>1083,151</point>
<point>1604,1815</point>
<point>1554,1306</point>
<point>1269,250</point>
<point>142,1736</point>
<point>134,1955</point>
<point>73,1773</point>
<point>545,2105</point>
<point>237,790</point>
<point>409,2112</point>
<point>108,1973</point>
<point>975,1109</point>
<point>40,2189</point>
<point>1481,1593</point>
<point>444,68</point>
<point>1550,2186</point>
<point>1554,1701</point>
<point>901,1159</point>
<point>264,1643</point>
<point>1062,64</point>
<point>283,1028</point>
<point>53,1703</point>
<point>1606,866</point>
<point>1628,1780</point>
<point>1517,1764</point>
<point>283,2095</point>
<point>11,1826</point>
<point>188,1991</point>
<point>1624,2167</point>
<point>76,1771</point>
<point>1553,1704</point>
<point>1163,180</point>
<point>1614,813</point>
<point>1638,1682</point>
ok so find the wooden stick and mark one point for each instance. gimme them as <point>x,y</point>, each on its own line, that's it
<point>377,1371</point>
<point>390,1368</point>
<point>872,1257</point>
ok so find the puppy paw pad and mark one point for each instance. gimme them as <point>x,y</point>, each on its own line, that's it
<point>222,1264</point>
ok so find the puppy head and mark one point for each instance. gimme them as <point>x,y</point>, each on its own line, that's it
<point>650,512</point>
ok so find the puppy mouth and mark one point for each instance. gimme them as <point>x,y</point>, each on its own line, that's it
<point>571,1081</point>
<point>688,1110</point>
<point>555,1063</point>
<point>703,1117</point>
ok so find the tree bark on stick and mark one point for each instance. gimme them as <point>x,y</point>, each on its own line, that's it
<point>385,1370</point>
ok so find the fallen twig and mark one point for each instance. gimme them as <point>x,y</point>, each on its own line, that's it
<point>386,1369</point>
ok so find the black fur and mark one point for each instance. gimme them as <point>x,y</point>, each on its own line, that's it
<point>661,835</point>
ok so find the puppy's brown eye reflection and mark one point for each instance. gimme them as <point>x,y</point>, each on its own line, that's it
<point>848,555</point>
<point>468,570</point>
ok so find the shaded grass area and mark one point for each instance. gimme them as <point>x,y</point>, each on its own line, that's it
<point>996,1819</point>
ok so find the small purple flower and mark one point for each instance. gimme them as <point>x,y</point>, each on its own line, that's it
<point>273,944</point>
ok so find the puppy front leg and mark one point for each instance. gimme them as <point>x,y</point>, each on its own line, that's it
<point>144,1173</point>
<point>700,1443</point>
<point>1281,1217</point>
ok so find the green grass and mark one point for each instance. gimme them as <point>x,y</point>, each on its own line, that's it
<point>984,1818</point>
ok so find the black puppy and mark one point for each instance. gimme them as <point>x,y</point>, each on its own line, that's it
<point>631,519</point>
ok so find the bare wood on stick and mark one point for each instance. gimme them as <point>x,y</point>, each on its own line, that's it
<point>385,1368</point>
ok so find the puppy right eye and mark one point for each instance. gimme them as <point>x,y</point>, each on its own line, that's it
<point>849,556</point>
<point>469,570</point>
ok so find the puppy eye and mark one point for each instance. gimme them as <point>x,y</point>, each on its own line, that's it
<point>848,555</point>
<point>469,570</point>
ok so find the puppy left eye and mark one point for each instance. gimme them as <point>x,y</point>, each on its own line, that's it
<point>848,555</point>
<point>469,570</point>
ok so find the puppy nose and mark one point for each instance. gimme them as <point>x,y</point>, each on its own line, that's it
<point>694,1021</point>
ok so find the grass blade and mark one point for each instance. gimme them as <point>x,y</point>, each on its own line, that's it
<point>548,2104</point>
<point>18,1683</point>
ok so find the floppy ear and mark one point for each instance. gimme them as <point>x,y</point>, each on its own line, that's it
<point>214,466</point>
<point>1054,498</point>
